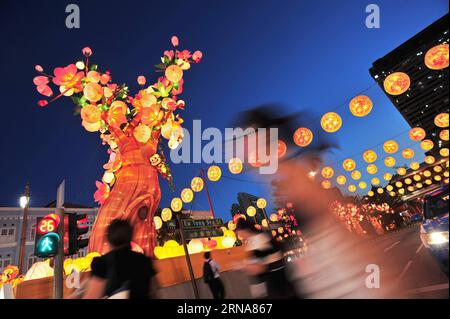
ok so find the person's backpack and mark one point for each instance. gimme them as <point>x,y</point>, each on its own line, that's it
<point>208,274</point>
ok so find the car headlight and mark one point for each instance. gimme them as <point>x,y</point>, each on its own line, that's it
<point>437,238</point>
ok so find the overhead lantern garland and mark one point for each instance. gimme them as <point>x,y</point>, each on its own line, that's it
<point>429,159</point>
<point>390,161</point>
<point>327,172</point>
<point>187,195</point>
<point>390,146</point>
<point>397,83</point>
<point>444,152</point>
<point>341,180</point>
<point>375,181</point>
<point>437,57</point>
<point>427,145</point>
<point>303,137</point>
<point>235,165</point>
<point>214,173</point>
<point>197,184</point>
<point>176,204</point>
<point>372,169</point>
<point>349,164</point>
<point>331,122</point>
<point>326,184</point>
<point>414,165</point>
<point>408,153</point>
<point>401,171</point>
<point>441,120</point>
<point>166,214</point>
<point>417,134</point>
<point>443,135</point>
<point>362,185</point>
<point>356,175</point>
<point>360,105</point>
<point>370,156</point>
<point>387,176</point>
<point>351,188</point>
<point>261,203</point>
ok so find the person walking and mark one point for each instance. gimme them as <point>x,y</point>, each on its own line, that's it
<point>211,277</point>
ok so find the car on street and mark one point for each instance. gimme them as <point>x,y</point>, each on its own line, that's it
<point>434,228</point>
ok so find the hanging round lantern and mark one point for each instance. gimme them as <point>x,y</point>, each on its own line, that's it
<point>443,135</point>
<point>174,73</point>
<point>380,190</point>
<point>410,188</point>
<point>427,173</point>
<point>197,184</point>
<point>428,181</point>
<point>370,193</point>
<point>158,222</point>
<point>375,181</point>
<point>251,211</point>
<point>349,164</point>
<point>331,122</point>
<point>437,169</point>
<point>351,188</point>
<point>355,175</point>
<point>176,204</point>
<point>417,134</point>
<point>360,105</point>
<point>398,184</point>
<point>408,153</point>
<point>303,136</point>
<point>341,180</point>
<point>390,146</point>
<point>261,203</point>
<point>429,159</point>
<point>401,191</point>
<point>401,171</point>
<point>387,176</point>
<point>444,152</point>
<point>446,174</point>
<point>370,156</point>
<point>408,181</point>
<point>372,169</point>
<point>187,195</point>
<point>235,165</point>
<point>142,133</point>
<point>282,148</point>
<point>427,145</point>
<point>327,172</point>
<point>437,178</point>
<point>392,194</point>
<point>389,188</point>
<point>166,214</point>
<point>214,173</point>
<point>419,185</point>
<point>326,184</point>
<point>436,58</point>
<point>264,223</point>
<point>362,185</point>
<point>441,120</point>
<point>397,83</point>
<point>414,165</point>
<point>389,161</point>
<point>273,217</point>
<point>417,177</point>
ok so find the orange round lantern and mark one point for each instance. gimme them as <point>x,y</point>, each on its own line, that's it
<point>326,184</point>
<point>375,181</point>
<point>356,175</point>
<point>436,58</point>
<point>214,173</point>
<point>387,176</point>
<point>390,146</point>
<point>443,135</point>
<point>408,153</point>
<point>303,136</point>
<point>397,83</point>
<point>235,165</point>
<point>370,156</point>
<point>341,180</point>
<point>444,152</point>
<point>401,171</point>
<point>187,195</point>
<point>362,185</point>
<point>429,159</point>
<point>327,172</point>
<point>197,184</point>
<point>349,164</point>
<point>389,161</point>
<point>360,105</point>
<point>174,73</point>
<point>91,114</point>
<point>441,120</point>
<point>351,188</point>
<point>176,204</point>
<point>331,122</point>
<point>282,148</point>
<point>427,145</point>
<point>372,169</point>
<point>417,134</point>
<point>414,165</point>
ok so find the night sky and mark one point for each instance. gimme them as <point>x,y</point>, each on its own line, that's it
<point>306,55</point>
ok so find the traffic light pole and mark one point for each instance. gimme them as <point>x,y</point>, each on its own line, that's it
<point>59,258</point>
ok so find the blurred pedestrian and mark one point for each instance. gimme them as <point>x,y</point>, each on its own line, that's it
<point>211,277</point>
<point>121,273</point>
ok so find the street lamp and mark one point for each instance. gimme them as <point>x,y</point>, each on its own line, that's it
<point>312,174</point>
<point>23,201</point>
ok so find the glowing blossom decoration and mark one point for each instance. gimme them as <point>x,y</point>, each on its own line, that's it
<point>437,58</point>
<point>303,136</point>
<point>397,83</point>
<point>349,164</point>
<point>417,134</point>
<point>390,146</point>
<point>389,161</point>
<point>441,120</point>
<point>327,172</point>
<point>372,169</point>
<point>235,165</point>
<point>408,153</point>
<point>360,105</point>
<point>331,122</point>
<point>341,180</point>
<point>443,135</point>
<point>427,145</point>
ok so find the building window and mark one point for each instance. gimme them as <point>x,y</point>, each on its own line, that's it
<point>33,233</point>
<point>4,232</point>
<point>4,262</point>
<point>11,231</point>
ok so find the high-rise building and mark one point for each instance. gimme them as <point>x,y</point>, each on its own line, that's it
<point>428,93</point>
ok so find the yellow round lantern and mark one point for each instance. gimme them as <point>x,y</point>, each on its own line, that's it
<point>437,169</point>
<point>389,161</point>
<point>187,195</point>
<point>417,177</point>
<point>174,73</point>
<point>158,222</point>
<point>375,181</point>
<point>419,185</point>
<point>392,194</point>
<point>197,184</point>
<point>327,172</point>
<point>380,190</point>
<point>427,145</point>
<point>273,217</point>
<point>360,105</point>
<point>264,223</point>
<point>356,175</point>
<point>372,169</point>
<point>176,204</point>
<point>214,173</point>
<point>387,176</point>
<point>235,165</point>
<point>443,135</point>
<point>370,156</point>
<point>166,214</point>
<point>444,152</point>
<point>341,180</point>
<point>401,191</point>
<point>446,174</point>
<point>429,159</point>
<point>370,193</point>
<point>417,134</point>
<point>261,203</point>
<point>428,181</point>
<point>303,136</point>
<point>437,58</point>
<point>397,83</point>
<point>362,185</point>
<point>437,178</point>
<point>331,122</point>
<point>401,171</point>
<point>326,184</point>
<point>408,181</point>
<point>390,146</point>
<point>414,165</point>
<point>349,164</point>
<point>351,188</point>
<point>410,188</point>
<point>427,173</point>
<point>408,153</point>
<point>399,184</point>
<point>251,211</point>
<point>389,188</point>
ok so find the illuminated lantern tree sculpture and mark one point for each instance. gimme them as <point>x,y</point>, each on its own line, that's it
<point>132,127</point>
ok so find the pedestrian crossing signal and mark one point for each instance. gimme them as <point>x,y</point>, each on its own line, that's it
<point>47,238</point>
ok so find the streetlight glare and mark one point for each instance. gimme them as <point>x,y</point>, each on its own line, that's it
<point>24,201</point>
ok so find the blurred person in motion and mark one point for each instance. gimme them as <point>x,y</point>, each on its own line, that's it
<point>265,264</point>
<point>121,273</point>
<point>211,277</point>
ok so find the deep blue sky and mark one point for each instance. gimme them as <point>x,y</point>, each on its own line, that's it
<point>308,55</point>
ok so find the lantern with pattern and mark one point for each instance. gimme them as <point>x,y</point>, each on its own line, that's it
<point>417,134</point>
<point>427,145</point>
<point>408,153</point>
<point>390,146</point>
<point>389,161</point>
<point>349,164</point>
<point>437,58</point>
<point>397,83</point>
<point>327,172</point>
<point>303,136</point>
<point>360,105</point>
<point>331,122</point>
<point>441,120</point>
<point>341,180</point>
<point>370,156</point>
